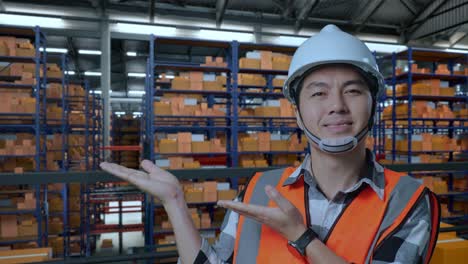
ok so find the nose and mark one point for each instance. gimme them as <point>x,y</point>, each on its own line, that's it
<point>337,104</point>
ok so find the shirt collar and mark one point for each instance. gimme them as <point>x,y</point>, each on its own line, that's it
<point>374,176</point>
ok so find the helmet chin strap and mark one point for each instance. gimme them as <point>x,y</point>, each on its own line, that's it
<point>334,145</point>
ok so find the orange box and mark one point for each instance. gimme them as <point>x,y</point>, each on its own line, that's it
<point>168,146</point>
<point>196,85</point>
<point>205,220</point>
<point>279,145</point>
<point>453,252</point>
<point>278,82</point>
<point>281,63</point>
<point>212,86</point>
<point>8,226</point>
<point>201,147</point>
<point>246,63</point>
<point>196,76</point>
<point>180,83</point>
<point>193,196</point>
<point>227,194</point>
<point>4,51</point>
<point>266,60</point>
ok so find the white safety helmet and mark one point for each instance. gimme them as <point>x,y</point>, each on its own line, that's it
<point>333,46</point>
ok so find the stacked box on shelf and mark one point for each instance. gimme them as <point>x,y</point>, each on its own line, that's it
<point>424,118</point>
<point>425,98</point>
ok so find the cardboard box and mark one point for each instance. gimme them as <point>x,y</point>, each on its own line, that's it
<point>168,146</point>
<point>201,147</point>
<point>25,52</point>
<point>27,230</point>
<point>209,191</point>
<point>453,252</point>
<point>266,60</point>
<point>193,196</point>
<point>4,51</point>
<point>212,86</point>
<point>279,145</point>
<point>8,226</point>
<point>245,63</point>
<point>180,83</point>
<point>227,194</point>
<point>205,220</point>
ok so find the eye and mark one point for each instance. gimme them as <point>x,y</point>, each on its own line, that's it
<point>354,91</point>
<point>317,94</point>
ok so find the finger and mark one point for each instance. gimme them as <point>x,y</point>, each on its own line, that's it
<point>280,201</point>
<point>123,172</point>
<point>245,209</point>
<point>149,166</point>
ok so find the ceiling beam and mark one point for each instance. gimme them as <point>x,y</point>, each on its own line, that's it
<point>421,18</point>
<point>151,10</point>
<point>410,5</point>
<point>457,37</point>
<point>2,6</point>
<point>439,22</point>
<point>220,10</point>
<point>304,13</point>
<point>364,12</point>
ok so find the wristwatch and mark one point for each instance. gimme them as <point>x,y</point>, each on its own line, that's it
<point>301,243</point>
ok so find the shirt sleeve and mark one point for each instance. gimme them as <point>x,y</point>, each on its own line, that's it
<point>222,251</point>
<point>411,242</point>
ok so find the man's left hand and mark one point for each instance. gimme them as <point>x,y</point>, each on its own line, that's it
<point>285,219</point>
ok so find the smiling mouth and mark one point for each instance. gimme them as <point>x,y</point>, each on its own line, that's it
<point>339,124</point>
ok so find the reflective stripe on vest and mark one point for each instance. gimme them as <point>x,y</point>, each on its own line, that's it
<point>260,244</point>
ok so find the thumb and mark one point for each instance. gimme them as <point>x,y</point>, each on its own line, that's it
<point>149,166</point>
<point>283,203</point>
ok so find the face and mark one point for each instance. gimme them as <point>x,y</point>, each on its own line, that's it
<point>335,101</point>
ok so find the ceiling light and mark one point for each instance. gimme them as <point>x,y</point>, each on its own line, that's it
<point>54,50</point>
<point>457,51</point>
<point>131,53</point>
<point>70,72</point>
<point>385,48</point>
<point>225,35</point>
<point>145,29</point>
<point>290,40</point>
<point>89,52</point>
<point>136,92</point>
<point>91,73</point>
<point>136,74</point>
<point>96,91</point>
<point>31,21</point>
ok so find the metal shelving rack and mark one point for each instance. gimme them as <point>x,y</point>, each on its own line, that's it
<point>265,124</point>
<point>431,57</point>
<point>235,96</point>
<point>207,125</point>
<point>37,126</point>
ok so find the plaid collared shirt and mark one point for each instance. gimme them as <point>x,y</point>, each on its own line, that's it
<point>408,245</point>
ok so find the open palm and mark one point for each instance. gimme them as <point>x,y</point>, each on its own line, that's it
<point>155,180</point>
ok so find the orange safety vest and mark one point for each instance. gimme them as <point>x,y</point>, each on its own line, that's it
<point>363,225</point>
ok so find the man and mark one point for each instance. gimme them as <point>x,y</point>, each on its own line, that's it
<point>339,206</point>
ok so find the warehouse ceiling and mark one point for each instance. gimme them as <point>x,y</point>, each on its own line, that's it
<point>422,23</point>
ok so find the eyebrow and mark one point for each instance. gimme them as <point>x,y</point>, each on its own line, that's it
<point>325,85</point>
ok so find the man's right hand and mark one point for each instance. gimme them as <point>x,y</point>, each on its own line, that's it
<point>155,180</point>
